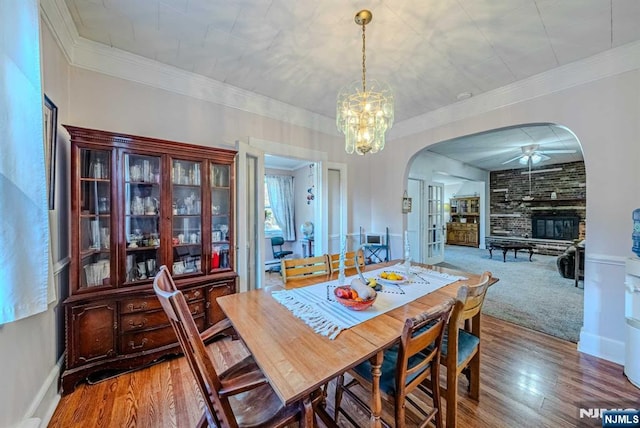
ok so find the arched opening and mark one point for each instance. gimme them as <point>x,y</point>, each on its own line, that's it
<point>509,194</point>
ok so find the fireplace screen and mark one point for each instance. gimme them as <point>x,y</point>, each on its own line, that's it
<point>555,227</point>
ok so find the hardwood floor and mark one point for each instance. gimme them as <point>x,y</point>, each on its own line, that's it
<point>528,379</point>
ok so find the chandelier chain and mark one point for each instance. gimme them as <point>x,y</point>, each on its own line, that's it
<point>364,68</point>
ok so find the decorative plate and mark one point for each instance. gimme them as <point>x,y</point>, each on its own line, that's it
<point>391,277</point>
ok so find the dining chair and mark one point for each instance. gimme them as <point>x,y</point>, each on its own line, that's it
<point>278,253</point>
<point>304,267</point>
<point>350,260</point>
<point>461,344</point>
<point>241,395</point>
<point>412,364</point>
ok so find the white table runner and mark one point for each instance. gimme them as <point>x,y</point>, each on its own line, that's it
<point>317,307</point>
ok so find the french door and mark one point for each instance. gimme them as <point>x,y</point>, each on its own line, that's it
<point>433,224</point>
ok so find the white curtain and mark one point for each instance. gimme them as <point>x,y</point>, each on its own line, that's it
<point>280,189</point>
<point>24,217</point>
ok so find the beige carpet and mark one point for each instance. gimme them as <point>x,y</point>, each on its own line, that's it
<point>531,294</point>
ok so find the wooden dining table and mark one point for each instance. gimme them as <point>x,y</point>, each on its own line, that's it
<point>298,361</point>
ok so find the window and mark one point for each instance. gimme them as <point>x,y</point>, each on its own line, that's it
<point>271,227</point>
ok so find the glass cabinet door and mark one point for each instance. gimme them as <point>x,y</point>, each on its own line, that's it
<point>186,213</point>
<point>142,198</point>
<point>220,216</point>
<point>95,218</point>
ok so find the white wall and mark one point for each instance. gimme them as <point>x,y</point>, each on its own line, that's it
<point>604,116</point>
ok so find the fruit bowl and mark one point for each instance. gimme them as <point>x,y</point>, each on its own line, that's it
<point>356,304</point>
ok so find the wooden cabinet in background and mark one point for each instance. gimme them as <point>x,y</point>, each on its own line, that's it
<point>463,234</point>
<point>139,203</point>
<point>463,229</point>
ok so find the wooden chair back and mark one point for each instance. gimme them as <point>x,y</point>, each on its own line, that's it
<point>304,267</point>
<point>421,341</point>
<point>466,317</point>
<point>241,395</point>
<point>350,260</point>
<point>469,304</point>
<point>218,411</point>
<point>412,364</point>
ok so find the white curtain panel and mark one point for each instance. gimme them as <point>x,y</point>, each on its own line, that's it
<point>280,189</point>
<point>24,217</point>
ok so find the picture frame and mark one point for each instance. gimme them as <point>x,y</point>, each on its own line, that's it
<point>406,204</point>
<point>50,128</point>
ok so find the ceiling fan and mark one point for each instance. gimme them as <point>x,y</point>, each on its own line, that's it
<point>533,154</point>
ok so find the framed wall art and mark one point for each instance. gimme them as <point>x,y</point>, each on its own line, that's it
<point>50,114</point>
<point>406,204</point>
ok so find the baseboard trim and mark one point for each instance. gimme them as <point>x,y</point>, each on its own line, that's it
<point>46,400</point>
<point>602,347</point>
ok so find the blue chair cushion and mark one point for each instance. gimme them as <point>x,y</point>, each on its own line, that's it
<point>467,343</point>
<point>388,377</point>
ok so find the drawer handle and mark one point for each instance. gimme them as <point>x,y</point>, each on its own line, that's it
<point>132,344</point>
<point>195,310</point>
<point>132,307</point>
<point>139,325</point>
<point>196,293</point>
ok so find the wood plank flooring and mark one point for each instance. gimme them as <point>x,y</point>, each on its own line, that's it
<point>528,379</point>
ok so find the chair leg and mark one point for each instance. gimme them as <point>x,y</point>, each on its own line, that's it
<point>308,415</point>
<point>203,422</point>
<point>474,378</point>
<point>467,373</point>
<point>452,395</point>
<point>435,394</point>
<point>338,397</point>
<point>400,404</point>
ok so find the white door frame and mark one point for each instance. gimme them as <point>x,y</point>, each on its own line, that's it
<point>243,240</point>
<point>344,200</point>
<point>258,147</point>
<point>414,219</point>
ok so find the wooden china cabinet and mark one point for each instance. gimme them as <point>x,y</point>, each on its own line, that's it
<point>139,203</point>
<point>464,227</point>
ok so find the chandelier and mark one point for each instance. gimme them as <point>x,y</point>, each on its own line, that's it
<point>364,110</point>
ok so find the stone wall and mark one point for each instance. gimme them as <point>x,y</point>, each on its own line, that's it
<point>510,215</point>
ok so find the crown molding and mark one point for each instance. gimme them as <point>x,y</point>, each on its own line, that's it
<point>606,64</point>
<point>56,16</point>
<point>114,62</point>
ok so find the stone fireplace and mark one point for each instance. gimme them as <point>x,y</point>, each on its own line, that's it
<point>550,216</point>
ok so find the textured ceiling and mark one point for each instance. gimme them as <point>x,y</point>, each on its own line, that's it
<point>499,149</point>
<point>301,52</point>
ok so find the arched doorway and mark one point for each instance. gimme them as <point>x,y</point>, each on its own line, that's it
<point>525,179</point>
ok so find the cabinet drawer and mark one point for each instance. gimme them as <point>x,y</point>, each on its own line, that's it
<point>150,339</point>
<point>138,305</point>
<point>194,294</point>
<point>152,319</point>
<point>151,303</point>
